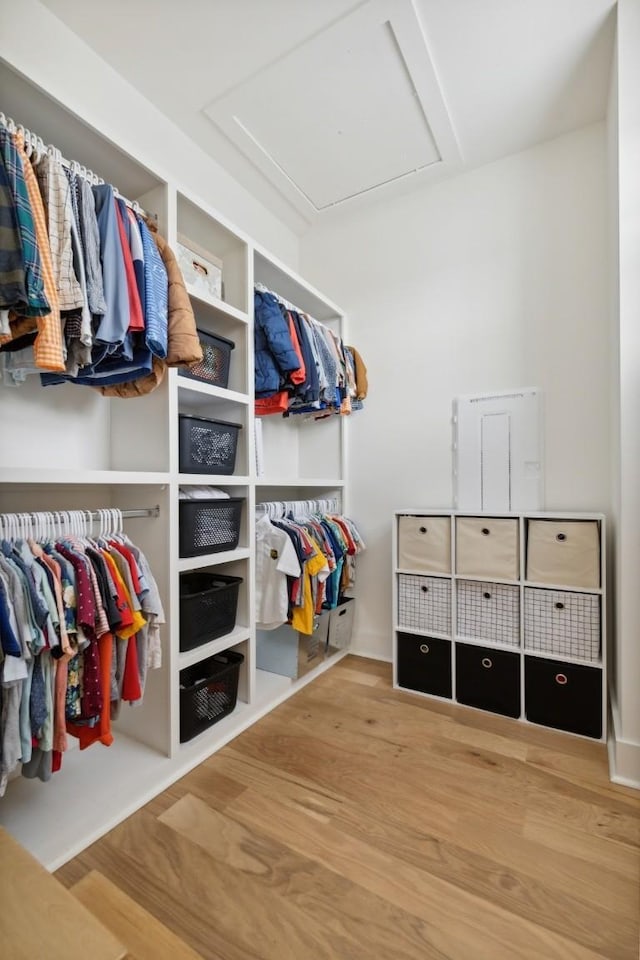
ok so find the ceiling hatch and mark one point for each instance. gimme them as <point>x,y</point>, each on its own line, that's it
<point>353,109</point>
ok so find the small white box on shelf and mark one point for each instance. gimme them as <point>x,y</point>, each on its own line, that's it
<point>202,271</point>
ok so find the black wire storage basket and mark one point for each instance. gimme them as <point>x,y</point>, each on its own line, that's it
<point>215,363</point>
<point>208,607</point>
<point>207,446</point>
<point>208,692</point>
<point>209,526</point>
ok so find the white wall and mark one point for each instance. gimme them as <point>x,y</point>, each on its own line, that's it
<point>35,43</point>
<point>492,280</point>
<point>624,150</point>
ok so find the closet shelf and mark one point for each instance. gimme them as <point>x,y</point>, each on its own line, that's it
<point>218,305</point>
<point>275,482</point>
<point>213,479</point>
<point>33,475</point>
<point>189,657</point>
<point>213,559</point>
<point>209,390</point>
<point>276,276</point>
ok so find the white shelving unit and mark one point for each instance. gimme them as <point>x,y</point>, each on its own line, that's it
<point>88,451</point>
<point>548,669</point>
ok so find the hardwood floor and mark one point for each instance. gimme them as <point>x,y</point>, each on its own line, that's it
<point>355,822</point>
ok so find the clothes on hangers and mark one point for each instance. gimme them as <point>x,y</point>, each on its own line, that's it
<point>90,293</point>
<point>79,629</point>
<point>301,366</point>
<point>303,565</point>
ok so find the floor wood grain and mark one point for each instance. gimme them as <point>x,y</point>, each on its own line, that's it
<point>356,822</point>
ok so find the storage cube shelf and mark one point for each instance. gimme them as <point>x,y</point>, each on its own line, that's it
<point>503,612</point>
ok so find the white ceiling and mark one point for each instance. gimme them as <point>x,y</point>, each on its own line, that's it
<point>317,106</point>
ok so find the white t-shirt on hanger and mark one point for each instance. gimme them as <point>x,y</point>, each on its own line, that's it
<point>276,559</point>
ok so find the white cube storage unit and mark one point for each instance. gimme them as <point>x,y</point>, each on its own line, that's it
<point>511,617</point>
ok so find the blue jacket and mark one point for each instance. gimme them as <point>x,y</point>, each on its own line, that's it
<point>275,356</point>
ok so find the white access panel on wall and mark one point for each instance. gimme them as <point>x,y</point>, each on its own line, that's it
<point>498,451</point>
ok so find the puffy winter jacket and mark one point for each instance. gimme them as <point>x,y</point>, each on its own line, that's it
<point>275,356</point>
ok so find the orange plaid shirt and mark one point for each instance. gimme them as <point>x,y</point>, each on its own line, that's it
<point>47,349</point>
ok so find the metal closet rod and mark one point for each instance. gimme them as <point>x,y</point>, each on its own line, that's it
<point>36,142</point>
<point>275,508</point>
<point>88,514</point>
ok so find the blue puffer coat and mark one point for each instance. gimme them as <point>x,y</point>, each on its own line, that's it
<point>275,356</point>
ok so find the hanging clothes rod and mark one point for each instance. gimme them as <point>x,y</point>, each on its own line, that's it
<point>285,303</point>
<point>35,143</point>
<point>279,508</point>
<point>93,515</point>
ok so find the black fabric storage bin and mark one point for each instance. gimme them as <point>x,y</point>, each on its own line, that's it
<point>488,679</point>
<point>209,526</point>
<point>214,366</point>
<point>566,696</point>
<point>208,606</point>
<point>424,664</point>
<point>207,446</point>
<point>208,692</point>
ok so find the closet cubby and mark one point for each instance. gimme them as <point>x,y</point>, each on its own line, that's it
<point>69,447</point>
<point>209,232</point>
<point>472,626</point>
<point>298,447</point>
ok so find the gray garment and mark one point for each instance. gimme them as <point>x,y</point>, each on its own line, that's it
<point>79,349</point>
<point>40,765</point>
<point>11,745</point>
<point>26,745</point>
<point>56,195</point>
<point>91,242</point>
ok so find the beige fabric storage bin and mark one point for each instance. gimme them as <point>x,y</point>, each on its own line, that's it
<point>487,547</point>
<point>565,553</point>
<point>424,543</point>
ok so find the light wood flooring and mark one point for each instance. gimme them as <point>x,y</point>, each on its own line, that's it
<point>355,822</point>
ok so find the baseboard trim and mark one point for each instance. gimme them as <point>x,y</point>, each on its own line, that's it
<point>624,755</point>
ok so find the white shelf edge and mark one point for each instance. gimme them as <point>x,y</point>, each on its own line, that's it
<point>542,515</point>
<point>275,482</point>
<point>220,305</point>
<point>561,658</point>
<point>596,591</point>
<point>188,657</point>
<point>424,633</point>
<point>212,559</point>
<point>82,477</point>
<point>474,642</point>
<point>211,390</point>
<point>423,573</point>
<point>207,479</point>
<point>476,579</point>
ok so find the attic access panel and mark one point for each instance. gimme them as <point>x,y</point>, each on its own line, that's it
<point>350,110</point>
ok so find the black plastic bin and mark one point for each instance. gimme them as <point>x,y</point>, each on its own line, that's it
<point>214,366</point>
<point>207,446</point>
<point>209,526</point>
<point>208,692</point>
<point>208,607</point>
